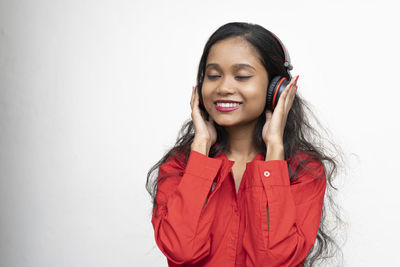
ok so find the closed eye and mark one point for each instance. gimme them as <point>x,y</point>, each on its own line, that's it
<point>212,77</point>
<point>243,77</point>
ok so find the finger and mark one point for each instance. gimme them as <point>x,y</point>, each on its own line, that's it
<point>292,83</point>
<point>192,98</point>
<point>196,96</point>
<point>279,108</point>
<point>294,80</point>
<point>291,95</point>
<point>290,99</point>
<point>284,96</point>
<point>286,91</point>
<point>194,93</point>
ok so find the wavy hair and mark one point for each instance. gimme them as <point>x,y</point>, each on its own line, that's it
<point>299,134</point>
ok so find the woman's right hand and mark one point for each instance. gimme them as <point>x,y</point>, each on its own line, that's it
<point>205,132</point>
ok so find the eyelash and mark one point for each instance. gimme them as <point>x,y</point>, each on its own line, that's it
<point>212,77</point>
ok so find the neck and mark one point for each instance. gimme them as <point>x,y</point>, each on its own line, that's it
<point>241,142</point>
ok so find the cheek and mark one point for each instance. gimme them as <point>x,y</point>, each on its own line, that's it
<point>255,105</point>
<point>258,104</point>
<point>206,93</point>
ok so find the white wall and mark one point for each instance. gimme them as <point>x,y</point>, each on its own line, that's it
<point>92,93</point>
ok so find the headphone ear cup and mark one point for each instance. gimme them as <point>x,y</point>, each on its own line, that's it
<point>201,101</point>
<point>275,88</point>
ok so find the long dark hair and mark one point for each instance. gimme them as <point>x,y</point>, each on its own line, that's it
<point>299,134</point>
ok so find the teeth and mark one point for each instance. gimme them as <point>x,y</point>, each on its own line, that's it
<point>227,105</point>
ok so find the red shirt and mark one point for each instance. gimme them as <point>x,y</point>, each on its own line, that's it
<point>231,229</point>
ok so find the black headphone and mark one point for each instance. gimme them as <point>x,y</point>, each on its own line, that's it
<point>277,83</point>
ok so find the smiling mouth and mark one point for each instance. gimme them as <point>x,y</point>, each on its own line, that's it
<point>230,104</point>
<point>226,107</point>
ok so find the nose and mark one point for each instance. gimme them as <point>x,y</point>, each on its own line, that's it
<point>225,86</point>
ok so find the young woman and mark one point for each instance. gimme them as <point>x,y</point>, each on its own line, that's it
<point>243,185</point>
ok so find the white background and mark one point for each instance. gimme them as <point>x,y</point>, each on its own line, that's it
<point>93,93</point>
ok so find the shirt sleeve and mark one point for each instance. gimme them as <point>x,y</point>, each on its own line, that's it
<point>291,210</point>
<point>182,225</point>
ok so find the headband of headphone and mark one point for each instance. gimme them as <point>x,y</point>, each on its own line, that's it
<point>287,63</point>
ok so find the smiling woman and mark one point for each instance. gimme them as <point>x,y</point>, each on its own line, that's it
<point>245,183</point>
<point>224,82</point>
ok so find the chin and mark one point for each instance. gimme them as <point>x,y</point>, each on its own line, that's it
<point>226,122</point>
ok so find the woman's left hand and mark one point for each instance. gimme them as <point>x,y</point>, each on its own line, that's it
<point>275,122</point>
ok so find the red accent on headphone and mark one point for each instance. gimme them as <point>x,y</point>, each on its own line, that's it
<point>276,91</point>
<point>201,101</point>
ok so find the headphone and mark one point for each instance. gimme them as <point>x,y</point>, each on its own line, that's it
<point>278,83</point>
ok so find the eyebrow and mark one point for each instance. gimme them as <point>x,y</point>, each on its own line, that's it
<point>234,66</point>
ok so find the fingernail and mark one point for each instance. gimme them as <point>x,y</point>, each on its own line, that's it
<point>297,78</point>
<point>296,87</point>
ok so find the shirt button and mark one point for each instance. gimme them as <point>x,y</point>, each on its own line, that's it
<point>266,173</point>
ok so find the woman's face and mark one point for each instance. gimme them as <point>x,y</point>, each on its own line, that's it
<point>223,81</point>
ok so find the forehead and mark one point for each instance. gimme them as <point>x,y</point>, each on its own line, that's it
<point>233,51</point>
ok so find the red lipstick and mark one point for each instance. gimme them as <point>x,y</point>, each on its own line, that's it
<point>226,109</point>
